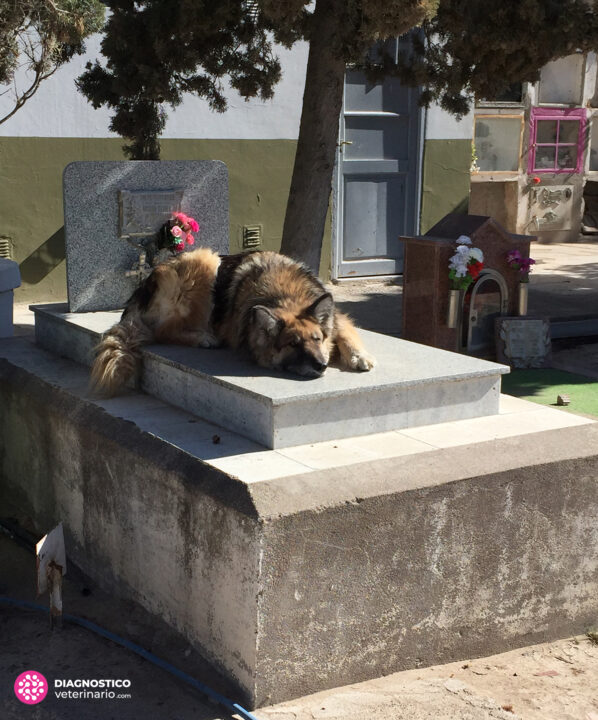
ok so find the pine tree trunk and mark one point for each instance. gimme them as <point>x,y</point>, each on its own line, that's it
<point>318,134</point>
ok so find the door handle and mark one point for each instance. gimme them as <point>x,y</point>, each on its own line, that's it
<point>344,142</point>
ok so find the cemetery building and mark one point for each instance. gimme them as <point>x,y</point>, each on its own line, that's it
<point>426,165</point>
<point>400,168</point>
<point>535,164</point>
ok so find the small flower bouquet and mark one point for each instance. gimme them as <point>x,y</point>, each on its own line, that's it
<point>177,232</point>
<point>465,265</point>
<point>524,265</point>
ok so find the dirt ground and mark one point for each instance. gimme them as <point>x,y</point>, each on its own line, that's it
<point>554,681</point>
<point>28,643</point>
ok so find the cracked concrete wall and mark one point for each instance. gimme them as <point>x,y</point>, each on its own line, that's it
<point>143,519</point>
<point>430,574</point>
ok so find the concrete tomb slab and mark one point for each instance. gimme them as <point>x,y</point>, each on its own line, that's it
<point>110,206</point>
<point>311,578</point>
<point>411,385</point>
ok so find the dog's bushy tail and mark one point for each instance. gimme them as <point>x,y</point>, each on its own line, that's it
<point>118,356</point>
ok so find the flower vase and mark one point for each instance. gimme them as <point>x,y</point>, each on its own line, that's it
<point>454,308</point>
<point>522,298</point>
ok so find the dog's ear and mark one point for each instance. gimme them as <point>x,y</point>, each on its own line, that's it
<point>323,311</point>
<point>266,320</point>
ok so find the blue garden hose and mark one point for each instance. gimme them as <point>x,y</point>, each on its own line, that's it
<point>204,689</point>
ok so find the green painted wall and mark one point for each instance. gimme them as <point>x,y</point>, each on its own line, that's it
<point>31,212</point>
<point>445,186</point>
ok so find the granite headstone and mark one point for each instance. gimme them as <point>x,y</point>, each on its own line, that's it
<point>111,209</point>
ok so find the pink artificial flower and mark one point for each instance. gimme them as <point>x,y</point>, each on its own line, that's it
<point>176,231</point>
<point>190,239</point>
<point>181,217</point>
<point>194,225</point>
<point>179,247</point>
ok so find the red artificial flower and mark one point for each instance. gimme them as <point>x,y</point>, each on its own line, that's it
<point>475,268</point>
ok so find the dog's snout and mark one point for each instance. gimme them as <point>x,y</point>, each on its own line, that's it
<point>319,366</point>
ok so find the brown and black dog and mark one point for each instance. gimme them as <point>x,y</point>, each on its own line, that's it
<point>262,303</point>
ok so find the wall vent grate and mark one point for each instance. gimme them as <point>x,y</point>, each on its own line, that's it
<point>252,236</point>
<point>5,248</point>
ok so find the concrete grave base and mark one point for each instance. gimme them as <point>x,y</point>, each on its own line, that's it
<point>321,565</point>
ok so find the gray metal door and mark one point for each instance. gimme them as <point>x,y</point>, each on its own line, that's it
<point>378,175</point>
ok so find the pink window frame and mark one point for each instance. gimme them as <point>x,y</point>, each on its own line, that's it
<point>557,114</point>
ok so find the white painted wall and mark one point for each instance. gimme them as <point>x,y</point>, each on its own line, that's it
<point>59,110</point>
<point>441,125</point>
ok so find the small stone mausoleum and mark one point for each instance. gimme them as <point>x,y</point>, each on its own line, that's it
<point>426,286</point>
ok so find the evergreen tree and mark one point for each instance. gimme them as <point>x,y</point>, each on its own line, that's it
<point>475,48</point>
<point>37,37</point>
<point>339,32</point>
<point>158,50</point>
<point>462,48</point>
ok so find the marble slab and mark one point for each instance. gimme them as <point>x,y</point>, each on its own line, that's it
<point>411,385</point>
<point>109,204</point>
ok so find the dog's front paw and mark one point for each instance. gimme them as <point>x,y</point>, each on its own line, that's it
<point>362,361</point>
<point>207,340</point>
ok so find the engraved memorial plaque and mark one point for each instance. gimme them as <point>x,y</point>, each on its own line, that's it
<point>143,212</point>
<point>523,342</point>
<point>113,210</point>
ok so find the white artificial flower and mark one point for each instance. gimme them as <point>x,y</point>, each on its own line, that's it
<point>462,250</point>
<point>477,254</point>
<point>463,240</point>
<point>458,263</point>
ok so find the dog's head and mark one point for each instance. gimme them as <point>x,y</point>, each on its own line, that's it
<point>297,342</point>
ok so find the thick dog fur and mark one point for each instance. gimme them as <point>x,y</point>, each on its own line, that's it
<point>260,303</point>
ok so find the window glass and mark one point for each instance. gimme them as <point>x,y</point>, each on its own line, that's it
<point>567,157</point>
<point>545,157</point>
<point>555,140</point>
<point>497,142</point>
<point>569,131</point>
<point>546,132</point>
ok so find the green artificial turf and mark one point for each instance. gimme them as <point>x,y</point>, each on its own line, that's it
<point>543,386</point>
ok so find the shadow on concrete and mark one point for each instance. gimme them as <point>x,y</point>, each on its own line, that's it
<point>44,259</point>
<point>570,292</point>
<point>74,652</point>
<point>378,310</point>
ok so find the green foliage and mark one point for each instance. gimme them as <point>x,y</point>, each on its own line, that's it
<point>158,50</point>
<point>360,24</point>
<point>473,47</point>
<point>40,36</point>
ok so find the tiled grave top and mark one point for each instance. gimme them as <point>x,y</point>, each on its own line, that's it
<point>411,384</point>
<point>397,362</point>
<point>96,257</point>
